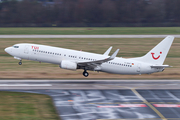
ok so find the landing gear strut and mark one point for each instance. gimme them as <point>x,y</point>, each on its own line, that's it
<point>20,63</point>
<point>85,73</point>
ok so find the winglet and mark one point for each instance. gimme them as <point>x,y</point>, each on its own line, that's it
<point>108,51</point>
<point>114,54</point>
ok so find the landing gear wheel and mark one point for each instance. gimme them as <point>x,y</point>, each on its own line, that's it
<point>20,63</point>
<point>85,73</point>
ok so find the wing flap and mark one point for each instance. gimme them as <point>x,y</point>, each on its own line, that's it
<point>96,63</point>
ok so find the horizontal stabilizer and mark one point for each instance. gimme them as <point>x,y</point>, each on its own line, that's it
<point>160,66</point>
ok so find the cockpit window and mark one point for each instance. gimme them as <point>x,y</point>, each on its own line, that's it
<point>16,46</point>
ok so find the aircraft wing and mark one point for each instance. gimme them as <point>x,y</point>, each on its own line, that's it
<point>93,64</point>
<point>160,66</point>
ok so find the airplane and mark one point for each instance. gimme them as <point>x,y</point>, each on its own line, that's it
<point>72,59</point>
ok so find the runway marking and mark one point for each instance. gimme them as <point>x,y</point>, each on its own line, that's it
<point>152,107</point>
<point>170,94</point>
<point>167,105</point>
<point>25,85</point>
<point>82,113</point>
<point>138,103</point>
<point>124,105</point>
<point>120,103</point>
<point>140,119</point>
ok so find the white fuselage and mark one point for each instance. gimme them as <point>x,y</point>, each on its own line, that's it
<point>55,55</point>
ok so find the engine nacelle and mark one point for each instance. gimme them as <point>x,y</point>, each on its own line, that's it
<point>68,65</point>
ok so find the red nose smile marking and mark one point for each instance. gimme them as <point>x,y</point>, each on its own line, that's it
<point>155,58</point>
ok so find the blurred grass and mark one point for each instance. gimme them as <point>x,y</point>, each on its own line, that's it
<point>129,47</point>
<point>26,106</point>
<point>89,31</point>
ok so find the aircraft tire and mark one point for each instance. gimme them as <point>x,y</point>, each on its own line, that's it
<point>86,74</point>
<point>20,63</point>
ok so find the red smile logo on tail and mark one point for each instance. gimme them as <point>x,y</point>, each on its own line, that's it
<point>155,58</point>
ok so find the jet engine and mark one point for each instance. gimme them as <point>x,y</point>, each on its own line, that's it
<point>68,65</point>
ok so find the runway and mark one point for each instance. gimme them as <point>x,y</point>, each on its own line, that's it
<point>89,84</point>
<point>86,36</point>
<point>106,99</point>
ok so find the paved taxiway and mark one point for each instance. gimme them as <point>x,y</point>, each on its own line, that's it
<point>86,36</point>
<point>106,99</point>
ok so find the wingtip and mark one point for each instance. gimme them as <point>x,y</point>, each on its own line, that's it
<point>108,51</point>
<point>170,36</point>
<point>114,54</point>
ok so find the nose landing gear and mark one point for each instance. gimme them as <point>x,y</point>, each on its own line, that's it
<point>20,63</point>
<point>85,73</point>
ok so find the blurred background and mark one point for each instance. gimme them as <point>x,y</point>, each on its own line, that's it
<point>89,13</point>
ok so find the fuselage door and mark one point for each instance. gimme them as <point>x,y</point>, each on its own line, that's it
<point>26,49</point>
<point>139,67</point>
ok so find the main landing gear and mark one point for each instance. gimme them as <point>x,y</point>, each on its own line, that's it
<point>20,63</point>
<point>85,73</point>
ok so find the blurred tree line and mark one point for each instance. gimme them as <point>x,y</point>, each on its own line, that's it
<point>89,11</point>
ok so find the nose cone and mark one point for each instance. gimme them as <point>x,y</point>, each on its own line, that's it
<point>5,49</point>
<point>8,49</point>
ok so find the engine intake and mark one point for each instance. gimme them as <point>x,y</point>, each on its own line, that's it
<point>68,65</point>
